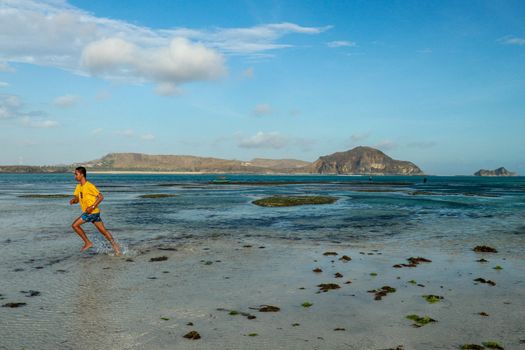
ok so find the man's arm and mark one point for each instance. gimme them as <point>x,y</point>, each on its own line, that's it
<point>73,200</point>
<point>100,198</point>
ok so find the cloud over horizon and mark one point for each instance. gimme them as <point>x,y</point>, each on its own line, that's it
<point>66,37</point>
<point>271,140</point>
<point>512,40</point>
<point>13,108</point>
<point>66,100</point>
<point>262,110</point>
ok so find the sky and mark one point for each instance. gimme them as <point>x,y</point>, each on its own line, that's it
<point>438,83</point>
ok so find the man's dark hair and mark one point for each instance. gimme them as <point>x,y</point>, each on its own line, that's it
<point>82,170</point>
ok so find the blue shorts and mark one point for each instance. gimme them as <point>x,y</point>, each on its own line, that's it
<point>91,217</point>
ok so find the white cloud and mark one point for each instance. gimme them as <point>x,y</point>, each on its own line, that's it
<point>126,132</point>
<point>13,108</point>
<point>512,40</point>
<point>182,61</point>
<point>264,140</point>
<point>60,35</point>
<point>4,67</point>
<point>355,138</point>
<point>340,43</point>
<point>102,95</point>
<point>66,100</point>
<point>38,123</point>
<point>97,131</point>
<point>251,40</point>
<point>147,137</point>
<point>262,109</point>
<point>3,84</point>
<point>386,145</point>
<point>167,89</point>
<point>305,144</point>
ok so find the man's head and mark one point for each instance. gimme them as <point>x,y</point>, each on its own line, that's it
<point>80,173</point>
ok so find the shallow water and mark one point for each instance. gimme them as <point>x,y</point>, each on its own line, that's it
<point>110,303</point>
<point>383,208</point>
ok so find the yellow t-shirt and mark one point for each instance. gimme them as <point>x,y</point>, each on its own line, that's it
<point>87,196</point>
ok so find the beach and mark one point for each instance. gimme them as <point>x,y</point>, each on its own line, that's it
<point>98,301</point>
<point>213,279</point>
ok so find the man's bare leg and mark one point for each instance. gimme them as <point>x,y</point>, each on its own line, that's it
<point>76,226</point>
<point>102,229</point>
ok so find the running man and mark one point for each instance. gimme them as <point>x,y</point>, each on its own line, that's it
<point>89,197</point>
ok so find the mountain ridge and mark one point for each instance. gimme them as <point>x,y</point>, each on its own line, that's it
<point>360,160</point>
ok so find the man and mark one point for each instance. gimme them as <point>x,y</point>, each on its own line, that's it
<point>89,197</point>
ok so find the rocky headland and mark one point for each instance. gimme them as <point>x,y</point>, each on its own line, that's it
<point>363,161</point>
<point>496,172</point>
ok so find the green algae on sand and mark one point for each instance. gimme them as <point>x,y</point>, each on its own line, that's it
<point>432,299</point>
<point>492,345</point>
<point>287,201</point>
<point>471,347</point>
<point>420,321</point>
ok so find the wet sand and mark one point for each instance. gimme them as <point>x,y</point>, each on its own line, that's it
<point>99,301</point>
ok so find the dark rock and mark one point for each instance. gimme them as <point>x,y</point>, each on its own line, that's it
<point>380,293</point>
<point>345,258</point>
<point>484,249</point>
<point>13,305</point>
<point>413,262</point>
<point>193,335</point>
<point>418,260</point>
<point>325,287</point>
<point>268,308</point>
<point>160,258</point>
<point>30,293</point>
<point>329,253</point>
<point>501,171</point>
<point>317,270</point>
<point>482,280</point>
<point>338,275</point>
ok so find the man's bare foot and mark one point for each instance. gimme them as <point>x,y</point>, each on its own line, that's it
<point>86,246</point>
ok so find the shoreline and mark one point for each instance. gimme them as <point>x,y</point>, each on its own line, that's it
<point>213,284</point>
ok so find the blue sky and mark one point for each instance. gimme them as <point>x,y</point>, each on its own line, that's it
<point>439,83</point>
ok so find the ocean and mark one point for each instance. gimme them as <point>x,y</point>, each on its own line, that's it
<point>379,208</point>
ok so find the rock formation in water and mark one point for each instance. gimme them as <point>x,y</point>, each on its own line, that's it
<point>496,172</point>
<point>363,161</point>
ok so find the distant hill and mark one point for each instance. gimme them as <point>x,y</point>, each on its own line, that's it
<point>496,172</point>
<point>363,160</point>
<point>33,169</point>
<point>145,162</point>
<point>358,161</point>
